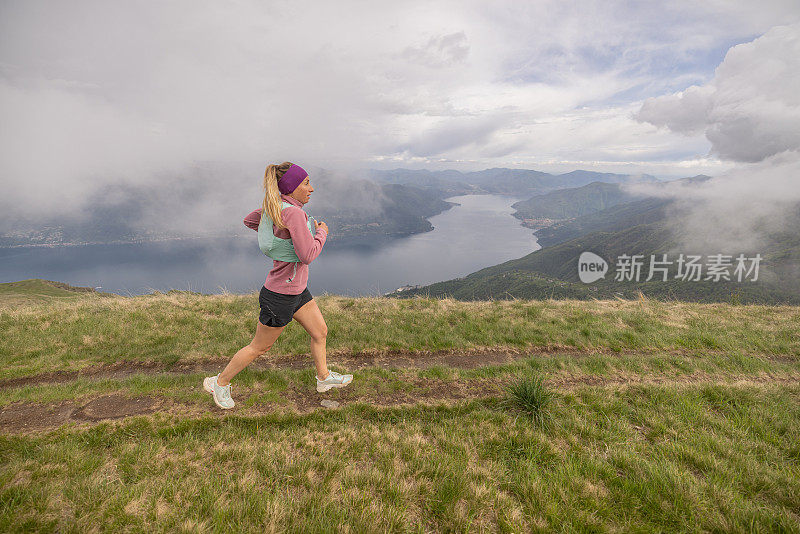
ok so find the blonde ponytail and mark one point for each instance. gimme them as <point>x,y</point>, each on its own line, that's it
<point>273,203</point>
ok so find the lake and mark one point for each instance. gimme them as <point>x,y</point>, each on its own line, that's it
<point>478,233</point>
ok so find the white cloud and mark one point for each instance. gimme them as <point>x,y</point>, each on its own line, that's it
<point>439,51</point>
<point>737,211</point>
<point>751,109</point>
<point>95,93</point>
<point>749,112</point>
<point>686,113</point>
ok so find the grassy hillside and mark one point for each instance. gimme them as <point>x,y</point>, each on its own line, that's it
<point>166,328</point>
<point>37,290</point>
<point>629,415</point>
<point>613,219</point>
<point>569,203</point>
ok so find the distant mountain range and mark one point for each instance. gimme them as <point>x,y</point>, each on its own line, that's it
<point>394,211</point>
<point>628,226</point>
<point>401,211</point>
<point>207,202</point>
<point>500,181</point>
<point>570,203</point>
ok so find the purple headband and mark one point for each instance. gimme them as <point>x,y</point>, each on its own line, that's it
<point>291,179</point>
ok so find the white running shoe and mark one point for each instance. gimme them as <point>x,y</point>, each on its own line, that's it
<point>221,394</point>
<point>334,380</point>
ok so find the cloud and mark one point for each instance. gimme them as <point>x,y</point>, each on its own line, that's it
<point>97,95</point>
<point>439,51</point>
<point>749,112</point>
<point>751,109</point>
<point>457,132</point>
<point>739,210</point>
<point>686,113</point>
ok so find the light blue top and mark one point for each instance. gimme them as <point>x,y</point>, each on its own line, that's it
<point>275,247</point>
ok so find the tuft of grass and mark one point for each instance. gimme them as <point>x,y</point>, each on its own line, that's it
<point>532,396</point>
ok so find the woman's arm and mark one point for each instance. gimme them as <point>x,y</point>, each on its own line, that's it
<point>253,219</point>
<point>306,246</point>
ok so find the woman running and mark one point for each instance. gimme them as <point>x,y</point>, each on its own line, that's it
<point>286,235</point>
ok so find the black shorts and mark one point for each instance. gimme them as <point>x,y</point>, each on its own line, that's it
<point>277,309</point>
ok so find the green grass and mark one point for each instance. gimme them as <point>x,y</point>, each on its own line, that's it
<point>706,458</point>
<point>63,335</point>
<point>694,426</point>
<point>375,383</point>
<point>36,290</point>
<point>532,396</point>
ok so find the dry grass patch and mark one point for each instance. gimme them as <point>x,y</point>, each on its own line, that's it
<point>463,468</point>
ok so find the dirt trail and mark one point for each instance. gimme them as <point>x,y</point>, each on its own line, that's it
<point>352,361</point>
<point>465,359</point>
<point>24,417</point>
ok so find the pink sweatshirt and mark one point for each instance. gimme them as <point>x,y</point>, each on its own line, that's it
<point>306,246</point>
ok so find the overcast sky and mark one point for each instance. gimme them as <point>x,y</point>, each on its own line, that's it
<point>749,112</point>
<point>97,93</point>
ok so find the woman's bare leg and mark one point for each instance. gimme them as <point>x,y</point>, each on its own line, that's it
<point>310,317</point>
<point>262,342</point>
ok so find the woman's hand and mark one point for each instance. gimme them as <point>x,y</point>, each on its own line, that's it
<point>322,225</point>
